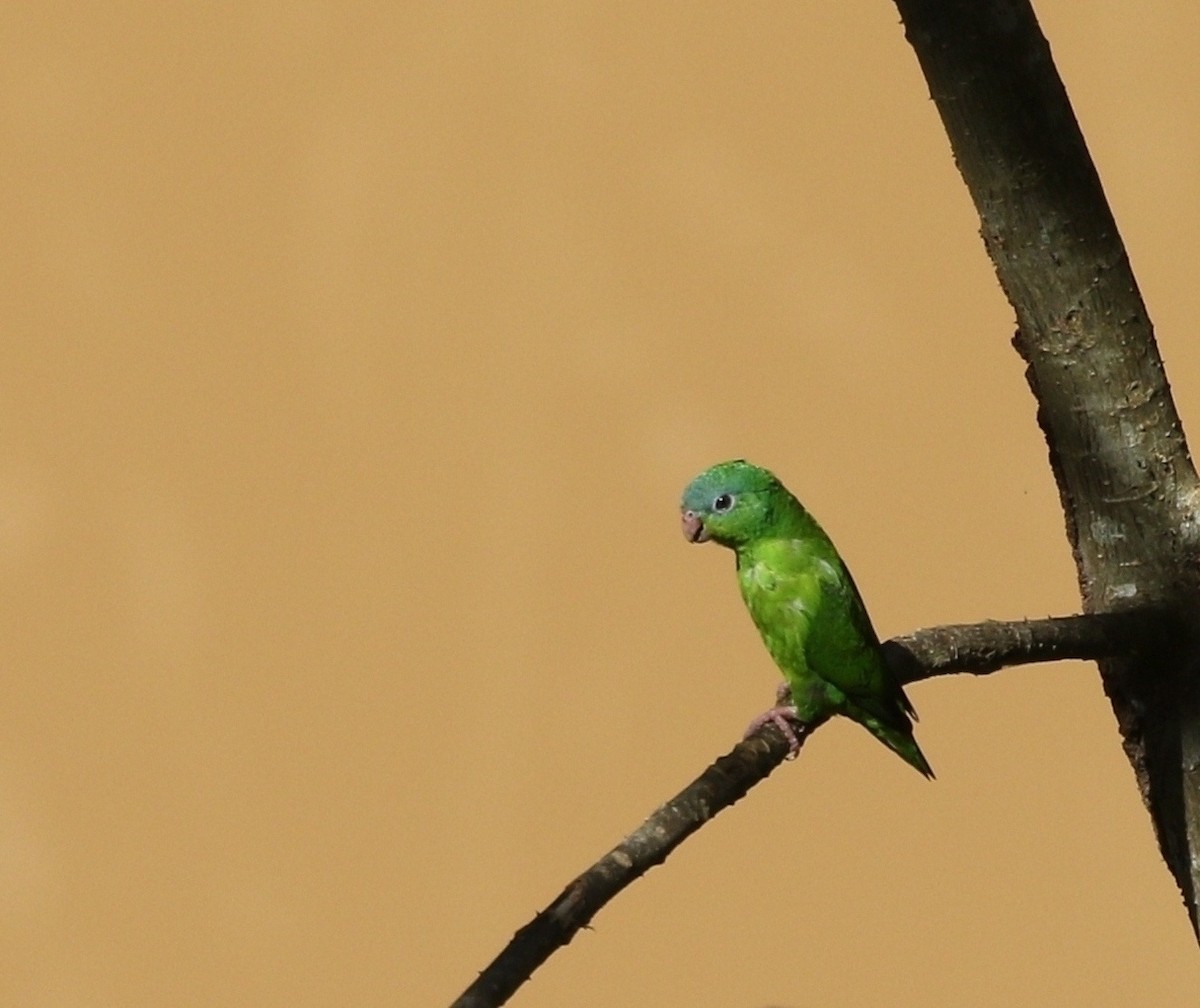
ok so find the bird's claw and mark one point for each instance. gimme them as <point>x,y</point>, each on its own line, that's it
<point>787,719</point>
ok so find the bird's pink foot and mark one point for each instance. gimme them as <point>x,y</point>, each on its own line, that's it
<point>787,720</point>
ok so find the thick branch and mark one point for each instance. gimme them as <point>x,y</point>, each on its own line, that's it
<point>1127,484</point>
<point>976,648</point>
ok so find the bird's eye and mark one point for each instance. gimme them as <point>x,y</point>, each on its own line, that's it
<point>723,503</point>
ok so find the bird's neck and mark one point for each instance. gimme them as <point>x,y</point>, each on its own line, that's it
<point>793,522</point>
<point>792,530</point>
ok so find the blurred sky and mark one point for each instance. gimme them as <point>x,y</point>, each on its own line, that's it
<point>355,357</point>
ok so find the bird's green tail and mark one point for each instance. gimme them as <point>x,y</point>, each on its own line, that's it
<point>901,743</point>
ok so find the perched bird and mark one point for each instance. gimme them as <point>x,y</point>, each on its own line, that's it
<point>805,605</point>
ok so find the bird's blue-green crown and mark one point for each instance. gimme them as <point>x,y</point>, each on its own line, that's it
<point>737,476</point>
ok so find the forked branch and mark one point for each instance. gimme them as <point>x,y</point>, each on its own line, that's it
<point>979,649</point>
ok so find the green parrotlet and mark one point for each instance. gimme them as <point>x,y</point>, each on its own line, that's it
<point>805,605</point>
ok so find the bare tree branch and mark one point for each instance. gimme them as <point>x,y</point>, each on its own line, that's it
<point>722,784</point>
<point>979,648</point>
<point>982,648</point>
<point>1126,481</point>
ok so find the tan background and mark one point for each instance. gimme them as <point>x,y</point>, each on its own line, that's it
<point>354,359</point>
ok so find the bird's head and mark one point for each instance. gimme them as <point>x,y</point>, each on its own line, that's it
<point>732,504</point>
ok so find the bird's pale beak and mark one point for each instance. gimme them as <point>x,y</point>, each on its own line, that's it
<point>693,528</point>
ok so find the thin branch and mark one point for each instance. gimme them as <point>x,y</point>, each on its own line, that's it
<point>983,648</point>
<point>722,784</point>
<point>979,648</point>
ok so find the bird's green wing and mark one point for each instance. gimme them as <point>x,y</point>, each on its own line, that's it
<point>843,649</point>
